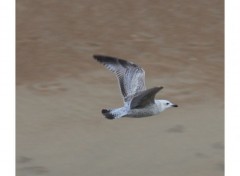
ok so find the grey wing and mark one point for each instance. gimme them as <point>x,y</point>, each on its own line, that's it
<point>130,76</point>
<point>144,98</point>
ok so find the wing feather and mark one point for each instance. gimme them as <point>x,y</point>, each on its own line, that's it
<point>144,98</point>
<point>130,76</point>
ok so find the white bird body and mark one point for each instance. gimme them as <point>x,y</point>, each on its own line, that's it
<point>138,101</point>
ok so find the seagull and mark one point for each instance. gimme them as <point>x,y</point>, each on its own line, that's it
<point>138,101</point>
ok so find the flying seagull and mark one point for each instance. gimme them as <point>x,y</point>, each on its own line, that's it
<point>138,101</point>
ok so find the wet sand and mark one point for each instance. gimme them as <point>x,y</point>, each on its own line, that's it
<point>61,89</point>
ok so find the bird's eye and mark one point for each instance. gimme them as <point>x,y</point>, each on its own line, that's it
<point>167,103</point>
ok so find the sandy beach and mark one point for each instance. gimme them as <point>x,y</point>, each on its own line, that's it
<point>61,89</point>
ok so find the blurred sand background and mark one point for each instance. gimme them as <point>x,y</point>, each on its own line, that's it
<point>61,89</point>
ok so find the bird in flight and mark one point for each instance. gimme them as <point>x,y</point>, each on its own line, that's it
<point>138,101</point>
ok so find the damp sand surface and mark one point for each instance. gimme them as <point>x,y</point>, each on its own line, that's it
<point>61,89</point>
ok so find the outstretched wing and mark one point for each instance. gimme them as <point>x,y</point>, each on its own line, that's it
<point>130,76</point>
<point>144,98</point>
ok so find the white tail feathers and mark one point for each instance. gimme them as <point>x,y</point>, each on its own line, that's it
<point>114,113</point>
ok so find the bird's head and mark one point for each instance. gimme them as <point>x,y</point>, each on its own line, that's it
<point>164,104</point>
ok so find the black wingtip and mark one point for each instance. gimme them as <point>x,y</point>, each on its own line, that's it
<point>100,56</point>
<point>97,57</point>
<point>104,58</point>
<point>159,88</point>
<point>111,59</point>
